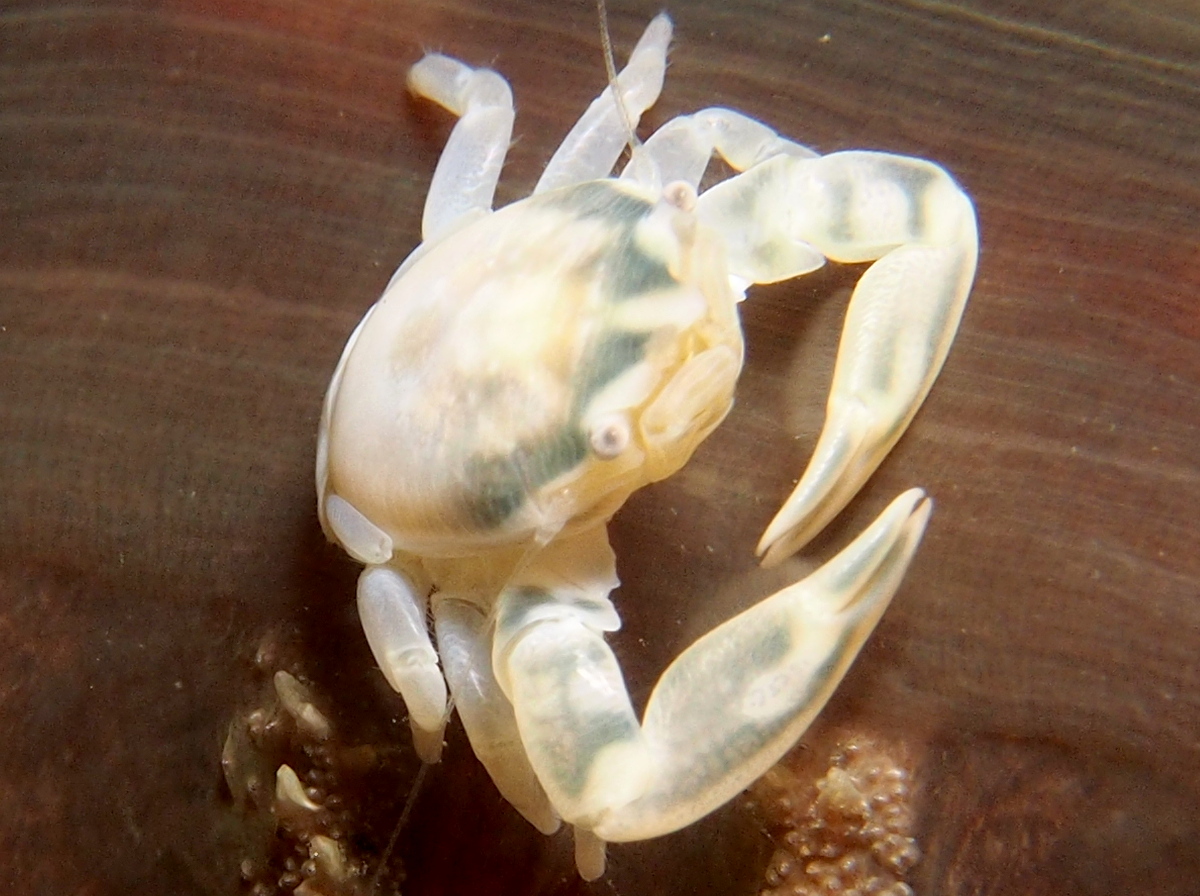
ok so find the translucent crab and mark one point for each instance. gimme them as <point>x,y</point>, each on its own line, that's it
<point>527,369</point>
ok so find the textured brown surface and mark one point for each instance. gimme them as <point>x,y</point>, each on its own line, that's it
<point>198,201</point>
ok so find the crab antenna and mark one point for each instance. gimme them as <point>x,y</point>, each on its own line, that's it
<point>413,793</point>
<point>610,68</point>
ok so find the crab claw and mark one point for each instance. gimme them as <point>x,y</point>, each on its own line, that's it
<point>913,220</point>
<point>723,713</point>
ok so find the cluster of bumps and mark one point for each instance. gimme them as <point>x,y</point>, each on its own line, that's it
<point>850,833</point>
<point>293,781</point>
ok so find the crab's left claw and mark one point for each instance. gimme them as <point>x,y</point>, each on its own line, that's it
<point>910,218</point>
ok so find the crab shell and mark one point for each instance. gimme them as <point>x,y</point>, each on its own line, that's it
<point>522,378</point>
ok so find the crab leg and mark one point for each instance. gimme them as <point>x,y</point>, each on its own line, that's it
<point>909,217</point>
<point>464,643</point>
<point>681,149</point>
<point>464,183</point>
<point>392,612</point>
<point>726,710</point>
<point>593,146</point>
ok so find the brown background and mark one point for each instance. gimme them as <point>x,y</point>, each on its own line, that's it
<point>199,199</point>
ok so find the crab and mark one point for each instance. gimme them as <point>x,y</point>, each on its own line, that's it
<point>527,369</point>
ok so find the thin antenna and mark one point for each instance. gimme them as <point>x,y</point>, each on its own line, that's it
<point>611,69</point>
<point>373,886</point>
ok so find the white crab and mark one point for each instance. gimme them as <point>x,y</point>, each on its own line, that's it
<point>527,369</point>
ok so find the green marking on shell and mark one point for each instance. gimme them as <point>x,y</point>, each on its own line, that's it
<point>613,354</point>
<point>499,486</point>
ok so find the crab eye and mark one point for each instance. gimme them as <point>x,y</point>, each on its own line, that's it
<point>609,436</point>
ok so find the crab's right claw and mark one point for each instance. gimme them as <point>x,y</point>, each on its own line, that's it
<point>912,217</point>
<point>723,713</point>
